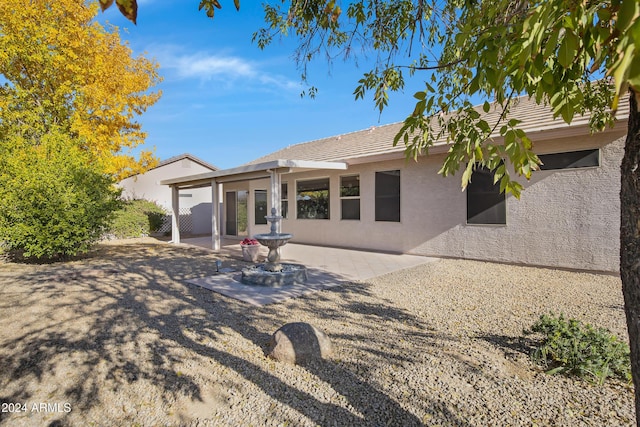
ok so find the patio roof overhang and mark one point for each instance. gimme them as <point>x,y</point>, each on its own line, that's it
<point>250,172</point>
<point>215,179</point>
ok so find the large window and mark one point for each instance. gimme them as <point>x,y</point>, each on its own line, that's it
<point>284,200</point>
<point>312,198</point>
<point>388,196</point>
<point>570,160</point>
<point>485,203</point>
<point>350,197</point>
<point>260,206</point>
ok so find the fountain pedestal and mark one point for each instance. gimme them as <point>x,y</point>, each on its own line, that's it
<point>272,272</point>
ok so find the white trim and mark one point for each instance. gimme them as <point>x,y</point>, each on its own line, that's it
<point>253,171</point>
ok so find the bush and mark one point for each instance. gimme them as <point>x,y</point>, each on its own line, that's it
<point>137,218</point>
<point>573,348</point>
<point>54,201</point>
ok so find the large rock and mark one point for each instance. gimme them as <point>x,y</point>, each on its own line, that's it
<point>299,343</point>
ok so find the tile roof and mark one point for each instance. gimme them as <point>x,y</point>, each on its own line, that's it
<point>378,140</point>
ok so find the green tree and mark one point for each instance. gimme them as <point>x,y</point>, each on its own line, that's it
<point>137,218</point>
<point>67,126</point>
<point>54,201</point>
<point>576,57</point>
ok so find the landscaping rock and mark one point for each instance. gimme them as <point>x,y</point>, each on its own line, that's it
<point>299,343</point>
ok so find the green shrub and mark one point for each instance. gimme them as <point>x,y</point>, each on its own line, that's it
<point>54,201</point>
<point>137,218</point>
<point>573,348</point>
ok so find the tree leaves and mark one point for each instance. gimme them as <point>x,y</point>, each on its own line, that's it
<point>105,4</point>
<point>66,72</point>
<point>55,200</point>
<point>128,8</point>
<point>625,68</point>
<point>568,49</point>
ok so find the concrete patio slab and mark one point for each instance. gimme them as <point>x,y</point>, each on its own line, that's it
<point>229,284</point>
<point>327,267</point>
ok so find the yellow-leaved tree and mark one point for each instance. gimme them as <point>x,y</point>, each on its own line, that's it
<point>61,69</point>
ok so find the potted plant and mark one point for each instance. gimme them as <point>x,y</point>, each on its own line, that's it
<point>250,248</point>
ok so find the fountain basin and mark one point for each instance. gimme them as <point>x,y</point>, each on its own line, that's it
<point>273,240</point>
<point>260,275</point>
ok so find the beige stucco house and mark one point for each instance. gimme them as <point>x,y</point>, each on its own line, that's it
<point>358,191</point>
<point>195,206</point>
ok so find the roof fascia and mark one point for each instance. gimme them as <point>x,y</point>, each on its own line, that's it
<point>253,171</point>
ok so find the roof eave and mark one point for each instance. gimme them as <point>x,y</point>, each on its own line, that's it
<point>253,171</point>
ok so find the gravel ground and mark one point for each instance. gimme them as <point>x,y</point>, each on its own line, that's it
<point>119,338</point>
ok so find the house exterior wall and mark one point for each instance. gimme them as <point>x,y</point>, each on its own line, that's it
<point>198,201</point>
<point>565,218</point>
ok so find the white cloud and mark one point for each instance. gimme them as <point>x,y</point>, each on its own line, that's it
<point>219,67</point>
<point>212,67</point>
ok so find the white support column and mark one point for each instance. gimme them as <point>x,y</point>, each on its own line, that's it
<point>175,217</point>
<point>220,208</point>
<point>275,195</point>
<point>215,215</point>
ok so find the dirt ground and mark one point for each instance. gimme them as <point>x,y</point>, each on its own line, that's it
<point>119,338</point>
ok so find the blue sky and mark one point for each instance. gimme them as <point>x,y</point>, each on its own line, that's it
<point>226,101</point>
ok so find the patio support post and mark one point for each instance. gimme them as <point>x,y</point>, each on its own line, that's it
<point>175,217</point>
<point>275,195</point>
<point>215,215</point>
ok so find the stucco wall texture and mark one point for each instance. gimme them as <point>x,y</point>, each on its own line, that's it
<point>565,218</point>
<point>147,186</point>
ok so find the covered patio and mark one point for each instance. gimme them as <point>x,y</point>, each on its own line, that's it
<point>326,266</point>
<point>272,170</point>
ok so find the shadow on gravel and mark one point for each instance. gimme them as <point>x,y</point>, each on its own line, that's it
<point>126,315</point>
<point>511,346</point>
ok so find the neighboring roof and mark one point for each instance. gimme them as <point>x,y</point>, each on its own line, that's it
<point>378,141</point>
<point>186,156</point>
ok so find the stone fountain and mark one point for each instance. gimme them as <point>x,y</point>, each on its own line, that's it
<point>272,272</point>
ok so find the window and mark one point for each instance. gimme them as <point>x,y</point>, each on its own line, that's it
<point>570,160</point>
<point>260,197</point>
<point>284,200</point>
<point>350,197</point>
<point>388,196</point>
<point>485,203</point>
<point>312,199</point>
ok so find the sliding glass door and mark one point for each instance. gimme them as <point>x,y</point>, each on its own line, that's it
<point>236,213</point>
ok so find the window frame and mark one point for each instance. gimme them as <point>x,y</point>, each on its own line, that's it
<point>378,210</point>
<point>556,163</point>
<point>474,189</point>
<point>349,198</point>
<point>258,219</point>
<point>328,198</point>
<point>284,200</point>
